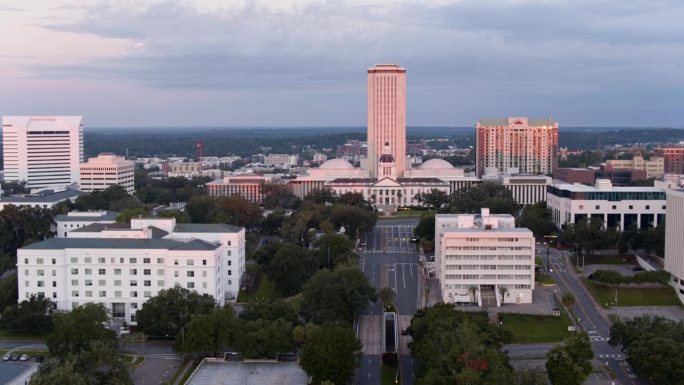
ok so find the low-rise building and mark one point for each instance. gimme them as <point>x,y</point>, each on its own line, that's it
<point>282,160</point>
<point>484,258</point>
<point>122,266</point>
<point>674,240</point>
<point>107,170</point>
<point>617,207</point>
<point>654,167</point>
<point>46,199</point>
<point>74,220</point>
<point>250,186</point>
<point>526,189</point>
<point>589,175</point>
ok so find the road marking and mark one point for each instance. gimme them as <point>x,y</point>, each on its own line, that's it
<point>403,275</point>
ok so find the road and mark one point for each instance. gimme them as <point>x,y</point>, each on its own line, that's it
<point>589,317</point>
<point>389,259</point>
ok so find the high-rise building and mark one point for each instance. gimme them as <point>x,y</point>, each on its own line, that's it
<point>107,170</point>
<point>43,151</point>
<point>528,144</point>
<point>386,115</point>
<point>674,158</point>
<point>674,242</point>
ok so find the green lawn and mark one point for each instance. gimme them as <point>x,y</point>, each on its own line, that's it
<point>528,328</point>
<point>632,296</point>
<point>6,334</point>
<point>265,290</point>
<point>545,279</point>
<point>388,375</point>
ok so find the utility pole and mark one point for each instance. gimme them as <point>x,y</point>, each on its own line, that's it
<point>548,268</point>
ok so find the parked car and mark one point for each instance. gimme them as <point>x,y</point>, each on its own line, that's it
<point>39,358</point>
<point>404,332</point>
<point>24,357</point>
<point>15,357</point>
<point>6,357</point>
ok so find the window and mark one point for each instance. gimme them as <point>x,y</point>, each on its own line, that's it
<point>102,282</point>
<point>175,273</point>
<point>190,262</point>
<point>121,260</point>
<point>229,253</point>
<point>147,283</point>
<point>101,260</point>
<point>160,260</point>
<point>88,293</point>
<point>204,262</point>
<point>88,271</point>
<point>74,260</point>
<point>73,271</point>
<point>230,272</point>
<point>160,272</point>
<point>39,261</point>
<point>41,284</point>
<point>102,293</point>
<point>146,260</point>
<point>230,242</point>
<point>191,273</point>
<point>648,207</point>
<point>88,260</point>
<point>117,294</point>
<point>598,207</point>
<point>160,283</point>
<point>54,273</point>
<point>134,283</point>
<point>631,207</point>
<point>204,274</point>
<point>102,271</point>
<point>134,305</point>
<point>26,261</point>
<point>54,261</point>
<point>133,260</point>
<point>230,262</point>
<point>74,293</point>
<point>134,294</point>
<point>147,294</point>
<point>54,295</point>
<point>614,207</point>
<point>117,271</point>
<point>117,282</point>
<point>191,285</point>
<point>40,273</point>
<point>134,271</point>
<point>54,284</point>
<point>89,282</point>
<point>147,272</point>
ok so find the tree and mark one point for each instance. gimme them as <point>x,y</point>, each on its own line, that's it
<point>74,331</point>
<point>262,338</point>
<point>9,291</point>
<point>537,218</point>
<point>386,295</point>
<point>270,310</point>
<point>169,311</point>
<point>321,196</point>
<point>528,377</point>
<point>487,194</point>
<point>113,198</point>
<point>332,249</point>
<point>21,226</point>
<point>338,295</point>
<point>568,300</point>
<point>208,333</point>
<point>126,215</point>
<point>653,346</point>
<point>570,363</point>
<point>355,199</point>
<point>180,216</point>
<point>434,200</point>
<point>502,292</point>
<point>426,227</point>
<point>278,195</point>
<point>32,316</point>
<point>353,219</point>
<point>238,211</point>
<point>290,268</point>
<point>201,209</point>
<point>273,222</point>
<point>331,353</point>
<point>54,371</point>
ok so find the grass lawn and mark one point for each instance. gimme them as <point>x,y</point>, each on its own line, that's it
<point>527,328</point>
<point>6,334</point>
<point>388,375</point>
<point>410,213</point>
<point>265,290</point>
<point>632,296</point>
<point>605,260</point>
<point>545,280</point>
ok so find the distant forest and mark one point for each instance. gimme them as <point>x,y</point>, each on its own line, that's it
<point>146,142</point>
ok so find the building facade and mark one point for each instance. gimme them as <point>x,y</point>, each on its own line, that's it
<point>674,240</point>
<point>74,220</point>
<point>528,144</point>
<point>46,199</point>
<point>249,186</point>
<point>616,207</point>
<point>43,151</point>
<point>122,267</point>
<point>654,167</point>
<point>386,115</point>
<point>282,160</point>
<point>484,258</point>
<point>107,170</point>
<point>673,158</point>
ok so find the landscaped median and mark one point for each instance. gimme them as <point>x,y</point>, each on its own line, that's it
<point>608,296</point>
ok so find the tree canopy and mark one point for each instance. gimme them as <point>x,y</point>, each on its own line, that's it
<point>537,218</point>
<point>208,333</point>
<point>330,353</point>
<point>487,194</point>
<point>33,315</point>
<point>290,268</point>
<point>172,309</point>
<point>570,363</point>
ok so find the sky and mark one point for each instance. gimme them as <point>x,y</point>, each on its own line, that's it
<point>245,63</point>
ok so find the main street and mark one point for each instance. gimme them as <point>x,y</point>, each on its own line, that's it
<point>389,259</point>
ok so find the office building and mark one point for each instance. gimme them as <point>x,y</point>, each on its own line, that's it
<point>530,145</point>
<point>107,170</point>
<point>386,115</point>
<point>121,266</point>
<point>249,186</point>
<point>484,258</point>
<point>616,207</point>
<point>42,151</point>
<point>526,189</point>
<point>46,199</point>
<point>673,158</point>
<point>589,175</point>
<point>282,160</point>
<point>74,220</point>
<point>654,167</point>
<point>674,240</point>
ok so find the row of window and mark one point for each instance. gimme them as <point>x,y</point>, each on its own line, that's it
<point>489,276</point>
<point>457,286</point>
<point>493,248</point>
<point>132,260</point>
<point>488,267</point>
<point>519,257</point>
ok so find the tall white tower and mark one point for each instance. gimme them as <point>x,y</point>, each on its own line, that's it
<point>43,151</point>
<point>386,115</point>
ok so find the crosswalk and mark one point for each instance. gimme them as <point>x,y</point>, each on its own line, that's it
<point>616,356</point>
<point>599,339</point>
<point>390,250</point>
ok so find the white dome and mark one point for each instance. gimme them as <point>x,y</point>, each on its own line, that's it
<point>337,164</point>
<point>436,164</point>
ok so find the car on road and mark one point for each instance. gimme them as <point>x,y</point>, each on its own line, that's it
<point>362,243</point>
<point>404,332</point>
<point>414,239</point>
<point>39,358</point>
<point>6,357</point>
<point>14,357</point>
<point>24,357</point>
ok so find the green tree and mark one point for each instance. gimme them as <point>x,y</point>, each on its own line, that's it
<point>355,199</point>
<point>331,296</point>
<point>9,291</point>
<point>434,200</point>
<point>570,363</point>
<point>270,310</point>
<point>171,310</point>
<point>74,331</point>
<point>537,218</point>
<point>386,296</point>
<point>238,211</point>
<point>273,222</point>
<point>201,209</point>
<point>180,216</point>
<point>208,333</point>
<point>426,227</point>
<point>332,249</point>
<point>353,219</point>
<point>331,353</point>
<point>290,268</point>
<point>54,371</point>
<point>321,196</point>
<point>487,194</point>
<point>32,316</point>
<point>126,215</point>
<point>263,338</point>
<point>528,377</point>
<point>112,198</point>
<point>277,195</point>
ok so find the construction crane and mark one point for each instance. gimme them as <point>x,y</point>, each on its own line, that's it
<point>199,153</point>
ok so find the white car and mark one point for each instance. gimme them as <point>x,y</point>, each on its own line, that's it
<point>6,357</point>
<point>24,357</point>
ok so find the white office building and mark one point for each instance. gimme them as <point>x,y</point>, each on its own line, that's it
<point>526,189</point>
<point>674,240</point>
<point>74,220</point>
<point>617,207</point>
<point>122,265</point>
<point>484,258</point>
<point>45,199</point>
<point>43,151</point>
<point>107,170</point>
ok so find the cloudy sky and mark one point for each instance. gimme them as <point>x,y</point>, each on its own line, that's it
<point>303,62</point>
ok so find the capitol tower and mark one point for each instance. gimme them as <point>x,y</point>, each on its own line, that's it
<point>386,115</point>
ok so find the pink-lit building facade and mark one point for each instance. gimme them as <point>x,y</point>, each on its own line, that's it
<point>527,144</point>
<point>386,115</point>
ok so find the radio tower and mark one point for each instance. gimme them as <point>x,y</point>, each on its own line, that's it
<point>199,153</point>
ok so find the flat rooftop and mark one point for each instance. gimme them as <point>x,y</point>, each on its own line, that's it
<point>585,188</point>
<point>252,373</point>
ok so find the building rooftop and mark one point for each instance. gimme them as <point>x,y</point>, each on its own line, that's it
<point>206,228</point>
<point>258,373</point>
<point>112,243</point>
<point>502,122</point>
<point>577,187</point>
<point>87,216</point>
<point>43,196</point>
